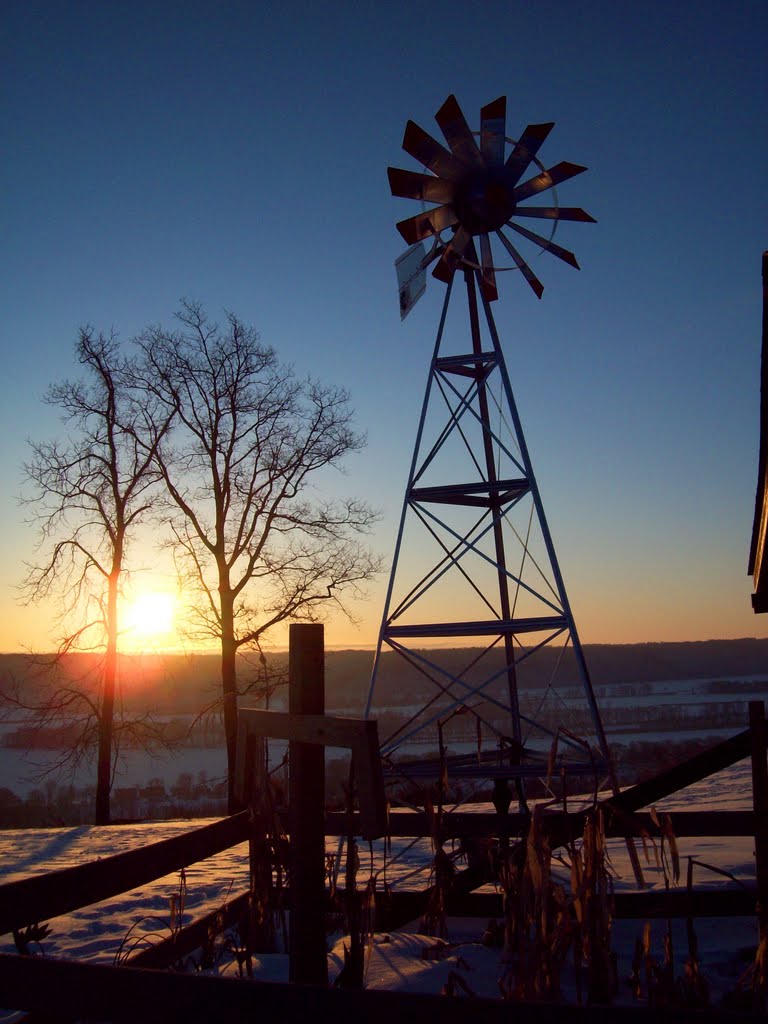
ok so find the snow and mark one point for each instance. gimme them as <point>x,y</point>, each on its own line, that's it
<point>406,960</point>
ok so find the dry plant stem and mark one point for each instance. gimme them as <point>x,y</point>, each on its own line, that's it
<point>434,920</point>
<point>267,850</point>
<point>694,985</point>
<point>353,972</point>
<point>543,921</point>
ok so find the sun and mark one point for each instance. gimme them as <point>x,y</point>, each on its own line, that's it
<point>149,617</point>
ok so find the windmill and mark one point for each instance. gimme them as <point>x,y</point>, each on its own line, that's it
<point>475,567</point>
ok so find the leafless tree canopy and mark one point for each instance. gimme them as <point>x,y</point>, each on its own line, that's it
<point>87,489</point>
<point>226,447</point>
<point>86,492</point>
<point>250,442</point>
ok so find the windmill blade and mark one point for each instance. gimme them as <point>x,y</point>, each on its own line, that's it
<point>490,291</point>
<point>428,151</point>
<point>427,224</point>
<point>557,250</point>
<point>526,149</point>
<point>560,172</point>
<point>457,133</point>
<point>452,255</point>
<point>493,121</point>
<point>411,185</point>
<point>528,274</point>
<point>555,213</point>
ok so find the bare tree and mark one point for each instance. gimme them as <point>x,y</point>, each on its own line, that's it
<point>250,442</point>
<point>88,491</point>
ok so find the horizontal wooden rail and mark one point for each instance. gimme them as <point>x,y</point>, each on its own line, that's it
<point>127,994</point>
<point>474,825</point>
<point>41,897</point>
<point>192,936</point>
<point>401,906</point>
<point>696,768</point>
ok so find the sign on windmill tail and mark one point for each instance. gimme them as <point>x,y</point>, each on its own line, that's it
<point>480,195</point>
<point>411,270</point>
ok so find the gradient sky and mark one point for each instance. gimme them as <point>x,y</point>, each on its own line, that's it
<point>237,154</point>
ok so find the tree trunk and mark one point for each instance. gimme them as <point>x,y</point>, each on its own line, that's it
<point>229,691</point>
<point>107,715</point>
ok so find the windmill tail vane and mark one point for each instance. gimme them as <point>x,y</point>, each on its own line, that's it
<point>480,190</point>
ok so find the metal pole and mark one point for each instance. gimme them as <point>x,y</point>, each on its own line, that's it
<point>495,506</point>
<point>549,544</point>
<point>498,534</point>
<point>307,955</point>
<point>406,500</point>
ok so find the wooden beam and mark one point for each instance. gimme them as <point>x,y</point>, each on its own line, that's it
<point>397,908</point>
<point>191,937</point>
<point>41,897</point>
<point>361,736</point>
<point>125,994</point>
<point>308,963</point>
<point>696,768</point>
<point>456,824</point>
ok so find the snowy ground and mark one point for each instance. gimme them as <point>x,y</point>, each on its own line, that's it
<point>99,932</point>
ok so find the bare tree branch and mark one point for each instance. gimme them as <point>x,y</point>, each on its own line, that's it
<point>86,492</point>
<point>249,445</point>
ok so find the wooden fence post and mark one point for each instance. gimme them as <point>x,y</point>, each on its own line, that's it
<point>308,962</point>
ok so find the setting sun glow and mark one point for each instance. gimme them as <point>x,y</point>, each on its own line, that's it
<point>149,617</point>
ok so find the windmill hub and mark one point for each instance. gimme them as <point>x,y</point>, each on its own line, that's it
<point>480,192</point>
<point>485,203</point>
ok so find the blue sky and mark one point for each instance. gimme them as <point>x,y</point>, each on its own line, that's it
<point>237,154</point>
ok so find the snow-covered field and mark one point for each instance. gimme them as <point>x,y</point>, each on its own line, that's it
<point>98,933</point>
<point>661,710</point>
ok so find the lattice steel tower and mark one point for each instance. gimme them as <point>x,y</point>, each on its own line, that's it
<point>475,567</point>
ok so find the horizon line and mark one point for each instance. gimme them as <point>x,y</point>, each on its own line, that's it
<point>337,648</point>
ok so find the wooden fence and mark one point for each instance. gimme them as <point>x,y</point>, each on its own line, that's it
<point>122,993</point>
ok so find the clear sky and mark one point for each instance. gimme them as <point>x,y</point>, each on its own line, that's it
<point>236,153</point>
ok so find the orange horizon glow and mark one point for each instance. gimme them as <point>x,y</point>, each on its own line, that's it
<point>154,615</point>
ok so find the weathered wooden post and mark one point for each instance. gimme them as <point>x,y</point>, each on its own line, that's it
<point>308,962</point>
<point>308,731</point>
<point>760,807</point>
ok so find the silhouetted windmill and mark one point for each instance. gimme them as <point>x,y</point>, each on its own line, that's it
<point>474,560</point>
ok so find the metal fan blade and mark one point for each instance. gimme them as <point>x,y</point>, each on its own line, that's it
<point>427,224</point>
<point>428,151</point>
<point>557,250</point>
<point>490,291</point>
<point>452,255</point>
<point>560,172</point>
<point>555,213</point>
<point>526,149</point>
<point>457,133</point>
<point>411,185</point>
<point>493,120</point>
<point>528,274</point>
